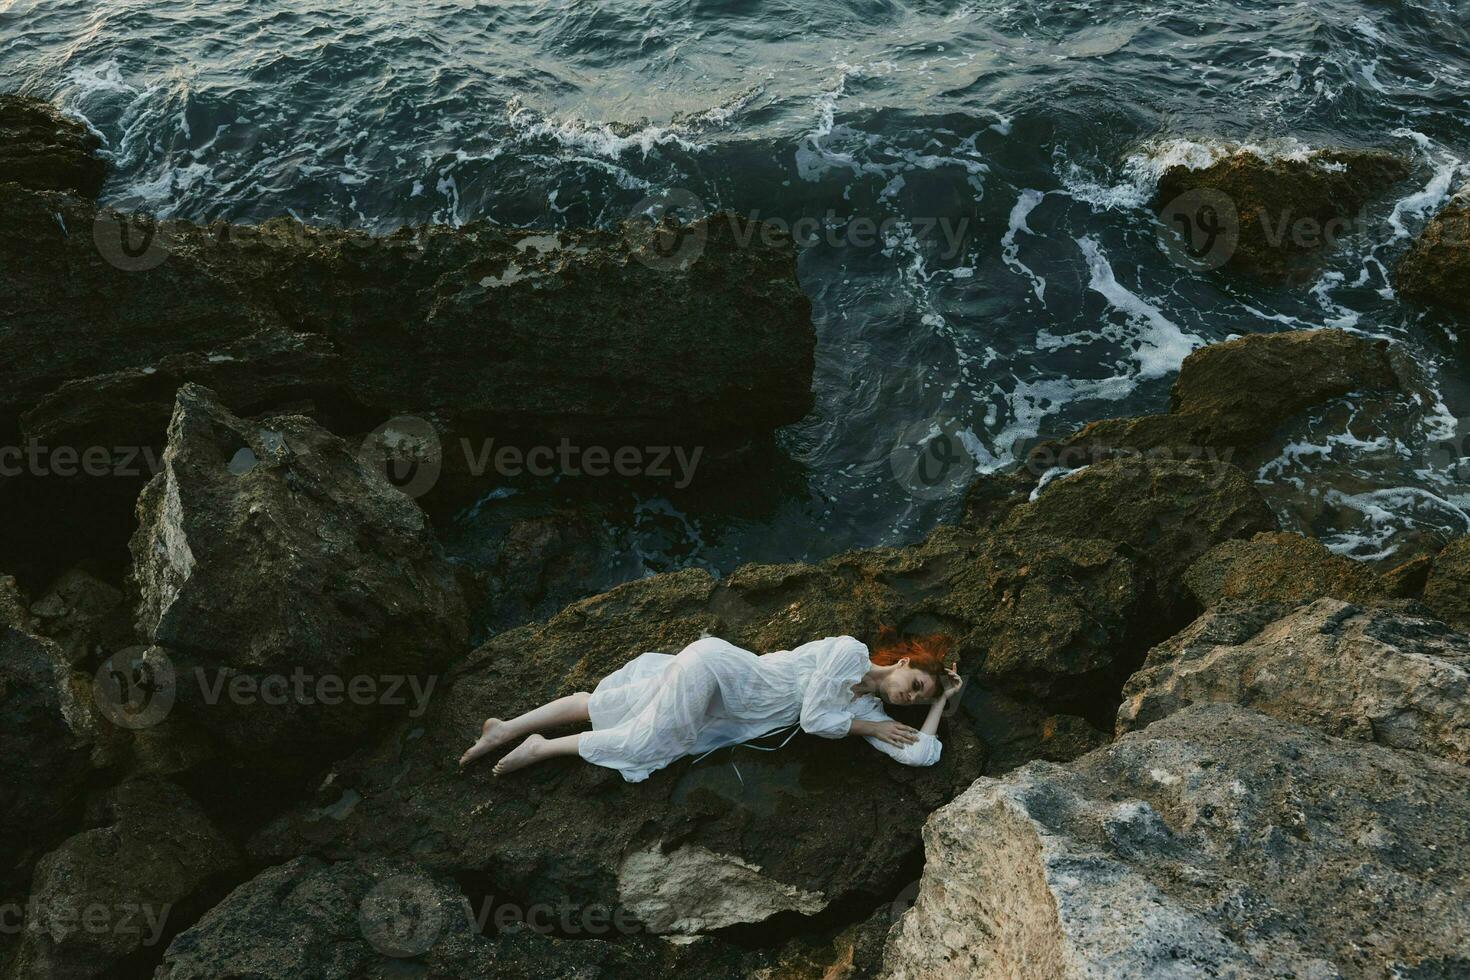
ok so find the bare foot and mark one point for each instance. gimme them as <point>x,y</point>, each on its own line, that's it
<point>492,736</point>
<point>523,755</point>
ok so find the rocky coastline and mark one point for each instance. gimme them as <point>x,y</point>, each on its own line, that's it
<point>1194,744</point>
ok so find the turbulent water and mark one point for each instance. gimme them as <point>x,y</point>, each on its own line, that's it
<point>975,177</point>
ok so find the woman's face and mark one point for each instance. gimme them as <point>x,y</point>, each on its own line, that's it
<point>906,685</point>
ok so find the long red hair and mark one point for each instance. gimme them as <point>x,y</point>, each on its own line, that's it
<point>926,653</point>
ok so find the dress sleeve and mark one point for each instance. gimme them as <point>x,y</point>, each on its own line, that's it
<point>924,752</point>
<point>826,708</point>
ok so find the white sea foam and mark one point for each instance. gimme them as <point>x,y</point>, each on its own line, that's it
<point>1161,345</point>
<point>1010,250</point>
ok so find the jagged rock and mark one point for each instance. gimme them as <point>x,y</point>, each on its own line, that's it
<point>559,325</point>
<point>1435,270</point>
<point>376,918</point>
<point>1218,842</point>
<point>1227,402</point>
<point>1373,674</point>
<point>1164,513</point>
<point>42,767</point>
<point>289,583</point>
<point>84,616</point>
<point>44,150</point>
<point>109,897</point>
<point>1288,211</point>
<point>1447,590</point>
<point>1017,730</point>
<point>1280,567</point>
<point>130,409</point>
<point>1232,396</point>
<point>14,608</point>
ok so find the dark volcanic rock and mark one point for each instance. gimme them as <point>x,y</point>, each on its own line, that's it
<point>1378,675</point>
<point>1280,567</point>
<point>107,898</point>
<point>1288,211</point>
<point>44,150</point>
<point>1435,270</point>
<point>269,550</point>
<point>42,766</point>
<point>1447,591</point>
<point>1218,842</point>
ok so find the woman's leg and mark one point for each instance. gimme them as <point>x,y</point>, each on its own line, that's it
<point>570,710</point>
<point>537,749</point>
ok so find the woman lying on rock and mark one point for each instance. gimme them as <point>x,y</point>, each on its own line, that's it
<point>658,707</point>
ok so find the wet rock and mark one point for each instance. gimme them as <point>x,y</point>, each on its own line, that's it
<point>1447,590</point>
<point>289,583</point>
<point>1216,842</point>
<point>1287,211</point>
<point>376,918</point>
<point>44,150</point>
<point>1436,268</point>
<point>1378,675</point>
<point>1232,396</point>
<point>42,766</point>
<point>107,899</point>
<point>1280,567</point>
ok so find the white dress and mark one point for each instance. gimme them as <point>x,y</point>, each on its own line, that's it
<point>659,707</point>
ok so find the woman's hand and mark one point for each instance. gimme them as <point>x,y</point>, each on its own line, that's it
<point>951,683</point>
<point>895,733</point>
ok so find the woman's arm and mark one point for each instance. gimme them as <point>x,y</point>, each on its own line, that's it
<point>901,742</point>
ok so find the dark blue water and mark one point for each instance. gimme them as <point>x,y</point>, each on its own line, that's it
<point>1005,152</point>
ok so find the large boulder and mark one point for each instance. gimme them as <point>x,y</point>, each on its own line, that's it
<point>1218,842</point>
<point>108,899</point>
<point>1287,211</point>
<point>44,150</point>
<point>1281,567</point>
<point>1229,400</point>
<point>1436,268</point>
<point>1162,512</point>
<point>1232,396</point>
<point>297,593</point>
<point>1043,608</point>
<point>1377,674</point>
<point>779,829</point>
<point>43,767</point>
<point>1447,590</point>
<point>378,918</point>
